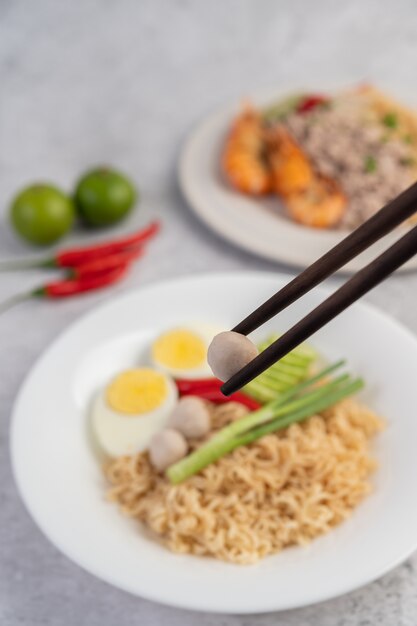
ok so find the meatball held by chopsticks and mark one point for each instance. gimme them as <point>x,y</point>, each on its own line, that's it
<point>229,352</point>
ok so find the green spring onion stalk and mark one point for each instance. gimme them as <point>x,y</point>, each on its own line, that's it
<point>194,463</point>
<point>321,404</point>
<point>290,407</point>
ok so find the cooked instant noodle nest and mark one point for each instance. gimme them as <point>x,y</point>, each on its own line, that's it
<point>285,489</point>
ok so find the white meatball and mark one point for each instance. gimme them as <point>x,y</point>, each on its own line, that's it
<point>167,447</point>
<point>191,417</point>
<point>229,352</point>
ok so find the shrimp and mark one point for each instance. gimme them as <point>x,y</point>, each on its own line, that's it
<point>291,169</point>
<point>310,197</point>
<point>257,160</point>
<point>244,155</point>
<point>321,204</point>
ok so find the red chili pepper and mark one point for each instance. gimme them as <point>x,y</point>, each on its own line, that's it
<point>69,287</point>
<point>186,385</point>
<point>216,396</point>
<point>78,256</point>
<point>209,389</point>
<point>73,286</point>
<point>74,257</point>
<point>311,102</point>
<point>106,263</point>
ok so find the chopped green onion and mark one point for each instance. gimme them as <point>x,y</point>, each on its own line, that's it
<point>370,164</point>
<point>390,120</point>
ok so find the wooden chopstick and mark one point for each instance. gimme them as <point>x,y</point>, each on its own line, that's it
<point>362,282</point>
<point>390,216</point>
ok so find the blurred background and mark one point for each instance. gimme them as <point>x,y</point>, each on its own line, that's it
<point>123,83</point>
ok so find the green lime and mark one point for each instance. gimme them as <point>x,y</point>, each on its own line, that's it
<point>104,196</point>
<point>42,214</point>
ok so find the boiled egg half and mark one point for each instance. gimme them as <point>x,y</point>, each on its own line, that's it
<point>182,351</point>
<point>131,409</point>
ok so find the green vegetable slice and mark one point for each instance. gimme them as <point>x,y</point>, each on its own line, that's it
<point>290,370</point>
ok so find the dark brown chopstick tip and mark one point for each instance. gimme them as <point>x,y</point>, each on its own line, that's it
<point>227,388</point>
<point>240,379</point>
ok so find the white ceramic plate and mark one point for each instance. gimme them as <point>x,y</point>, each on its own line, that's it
<point>257,225</point>
<point>60,480</point>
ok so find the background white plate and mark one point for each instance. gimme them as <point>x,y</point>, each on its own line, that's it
<point>257,225</point>
<point>61,482</point>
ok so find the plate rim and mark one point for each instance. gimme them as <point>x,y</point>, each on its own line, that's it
<point>210,218</point>
<point>107,578</point>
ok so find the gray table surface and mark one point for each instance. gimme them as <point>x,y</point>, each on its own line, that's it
<point>123,82</point>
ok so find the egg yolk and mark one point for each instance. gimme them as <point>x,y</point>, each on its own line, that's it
<point>137,391</point>
<point>179,349</point>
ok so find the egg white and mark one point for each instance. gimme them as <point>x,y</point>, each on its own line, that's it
<point>119,434</point>
<point>206,332</point>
